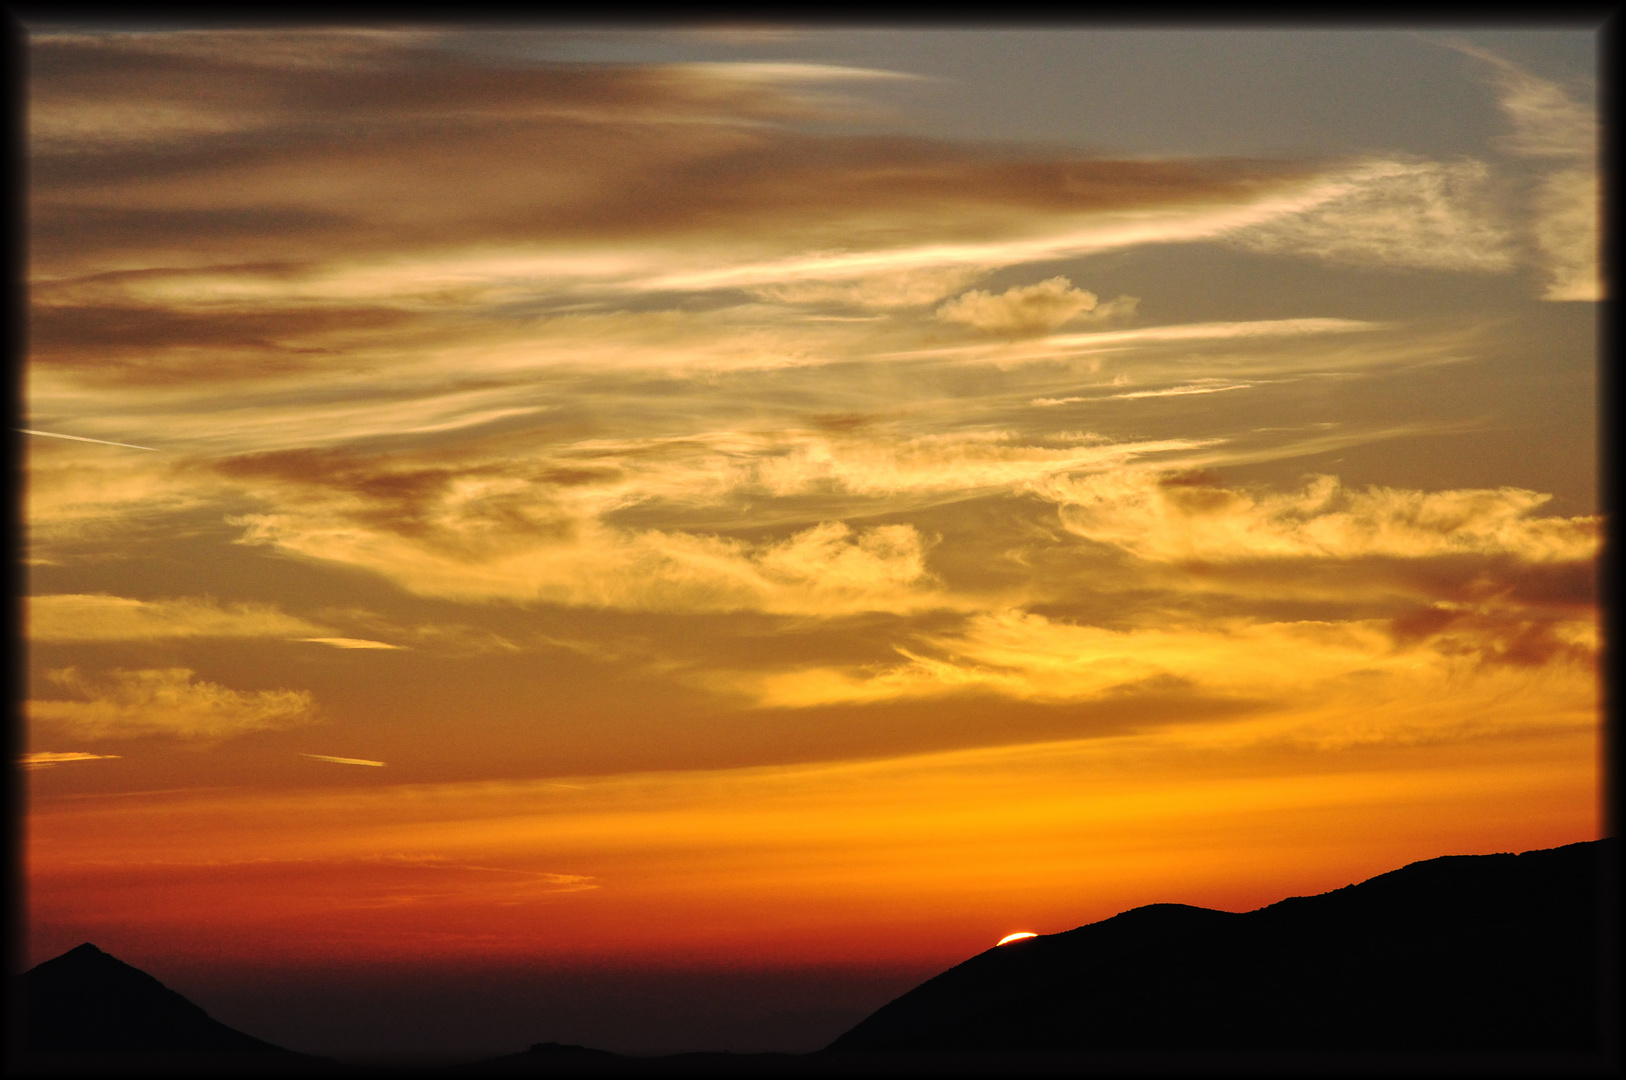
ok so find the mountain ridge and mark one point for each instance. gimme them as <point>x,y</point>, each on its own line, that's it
<point>1443,955</point>
<point>1492,957</point>
<point>87,1008</point>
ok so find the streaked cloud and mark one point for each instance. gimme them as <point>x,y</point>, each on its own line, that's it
<point>1430,215</point>
<point>1193,516</point>
<point>538,532</point>
<point>829,568</point>
<point>100,617</point>
<point>1303,668</point>
<point>344,760</point>
<point>350,643</point>
<point>80,494</point>
<point>82,438</point>
<point>127,704</point>
<point>45,759</point>
<point>1567,208</point>
<point>1550,127</point>
<point>1134,395</point>
<point>1055,347</point>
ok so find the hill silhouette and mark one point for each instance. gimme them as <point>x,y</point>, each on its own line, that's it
<point>1496,961</point>
<point>1489,954</point>
<point>1491,957</point>
<point>88,1011</point>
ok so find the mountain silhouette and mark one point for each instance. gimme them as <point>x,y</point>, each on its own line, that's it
<point>1487,957</point>
<point>1477,954</point>
<point>86,1009</point>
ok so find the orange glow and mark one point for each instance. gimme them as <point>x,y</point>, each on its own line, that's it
<point>911,858</point>
<point>1018,936</point>
<point>502,498</point>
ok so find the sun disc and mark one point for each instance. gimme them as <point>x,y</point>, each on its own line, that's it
<point>1018,936</point>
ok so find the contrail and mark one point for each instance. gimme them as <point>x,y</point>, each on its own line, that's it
<point>81,438</point>
<point>344,760</point>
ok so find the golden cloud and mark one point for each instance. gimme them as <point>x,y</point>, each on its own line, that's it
<point>1567,208</point>
<point>499,527</point>
<point>79,491</point>
<point>1192,517</point>
<point>828,569</point>
<point>166,701</point>
<point>46,759</point>
<point>100,617</point>
<point>1325,675</point>
<point>1026,309</point>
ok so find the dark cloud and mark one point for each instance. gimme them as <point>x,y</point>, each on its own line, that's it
<point>154,345</point>
<point>406,498</point>
<point>137,148</point>
<point>1513,637</point>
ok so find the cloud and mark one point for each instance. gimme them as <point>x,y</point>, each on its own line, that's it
<point>499,526</point>
<point>110,332</point>
<point>350,643</point>
<point>100,617</point>
<point>881,290</point>
<point>1179,391</point>
<point>1424,215</point>
<point>1548,125</point>
<point>46,759</point>
<point>78,493</point>
<point>1147,341</point>
<point>1027,309</point>
<point>830,568</point>
<point>216,148</point>
<point>1501,633</point>
<point>1547,122</point>
<point>81,438</point>
<point>1307,667</point>
<point>344,760</point>
<point>166,701</point>
<point>1192,517</point>
<point>1551,127</point>
<point>1567,205</point>
<point>1172,391</point>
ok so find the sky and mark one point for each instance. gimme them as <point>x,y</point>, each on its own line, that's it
<point>664,538</point>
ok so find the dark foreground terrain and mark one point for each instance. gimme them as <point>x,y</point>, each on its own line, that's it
<point>86,1011</point>
<point>1483,962</point>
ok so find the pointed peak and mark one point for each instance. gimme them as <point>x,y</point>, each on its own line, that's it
<point>84,958</point>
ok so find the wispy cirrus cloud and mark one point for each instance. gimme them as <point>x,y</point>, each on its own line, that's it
<point>541,531</point>
<point>1427,215</point>
<point>1561,136</point>
<point>1194,516</point>
<point>46,759</point>
<point>82,438</point>
<point>101,617</point>
<point>673,350</point>
<point>345,760</point>
<point>351,643</point>
<point>165,701</point>
<point>1300,668</point>
<point>1135,395</point>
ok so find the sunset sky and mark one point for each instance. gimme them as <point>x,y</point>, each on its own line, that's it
<point>739,519</point>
